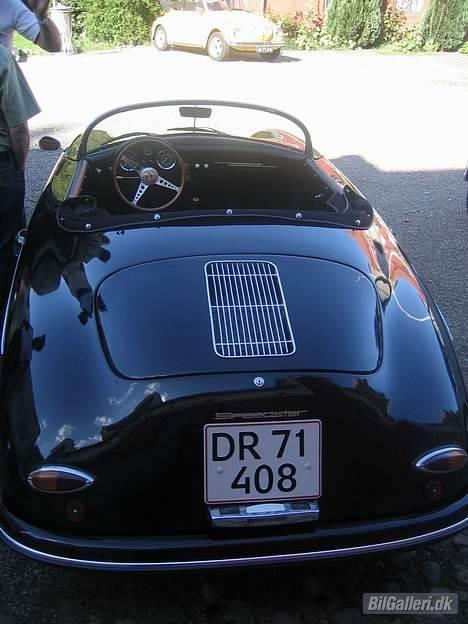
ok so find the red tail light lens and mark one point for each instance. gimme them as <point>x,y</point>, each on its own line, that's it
<point>59,479</point>
<point>448,459</point>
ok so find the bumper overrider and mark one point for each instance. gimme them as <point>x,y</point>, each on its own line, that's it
<point>227,549</point>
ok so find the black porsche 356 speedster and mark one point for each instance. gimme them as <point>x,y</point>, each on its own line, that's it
<point>215,353</point>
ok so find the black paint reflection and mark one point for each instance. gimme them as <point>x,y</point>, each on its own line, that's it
<point>68,261</point>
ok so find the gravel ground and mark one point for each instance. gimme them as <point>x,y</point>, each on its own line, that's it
<point>397,127</point>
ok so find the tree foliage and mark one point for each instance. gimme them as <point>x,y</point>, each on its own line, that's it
<point>354,23</point>
<point>444,24</point>
<point>116,22</point>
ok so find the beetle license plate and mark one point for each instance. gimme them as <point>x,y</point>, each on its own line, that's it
<point>262,461</point>
<point>264,49</point>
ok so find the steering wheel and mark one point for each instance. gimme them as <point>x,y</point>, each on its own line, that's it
<point>148,174</point>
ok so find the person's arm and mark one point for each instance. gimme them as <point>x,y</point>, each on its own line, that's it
<point>19,139</point>
<point>49,36</point>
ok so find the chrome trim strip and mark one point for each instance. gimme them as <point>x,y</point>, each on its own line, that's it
<point>263,514</point>
<point>239,561</point>
<point>248,165</point>
<point>21,240</point>
<point>420,463</point>
<point>65,470</point>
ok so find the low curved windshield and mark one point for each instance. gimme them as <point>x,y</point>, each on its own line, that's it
<point>199,117</point>
<point>227,5</point>
<point>209,5</point>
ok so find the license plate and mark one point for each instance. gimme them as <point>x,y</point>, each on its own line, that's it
<point>264,49</point>
<point>262,461</point>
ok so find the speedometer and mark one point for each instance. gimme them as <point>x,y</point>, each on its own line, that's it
<point>129,162</point>
<point>166,160</point>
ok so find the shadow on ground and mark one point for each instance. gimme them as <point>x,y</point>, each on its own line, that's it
<point>239,56</point>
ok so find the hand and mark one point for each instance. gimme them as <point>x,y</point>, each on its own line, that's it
<point>40,7</point>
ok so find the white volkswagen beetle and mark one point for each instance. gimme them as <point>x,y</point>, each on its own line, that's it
<point>218,26</point>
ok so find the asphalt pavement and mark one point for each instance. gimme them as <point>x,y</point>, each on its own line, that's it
<point>396,125</point>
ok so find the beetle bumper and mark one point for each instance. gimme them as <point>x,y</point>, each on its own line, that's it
<point>222,549</point>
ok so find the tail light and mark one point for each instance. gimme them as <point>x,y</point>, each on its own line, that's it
<point>59,479</point>
<point>443,460</point>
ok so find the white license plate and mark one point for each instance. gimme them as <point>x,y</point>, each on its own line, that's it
<point>262,461</point>
<point>264,49</point>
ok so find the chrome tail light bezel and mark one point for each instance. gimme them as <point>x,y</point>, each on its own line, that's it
<point>82,478</point>
<point>430,461</point>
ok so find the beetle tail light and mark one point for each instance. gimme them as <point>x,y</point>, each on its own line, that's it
<point>59,479</point>
<point>443,460</point>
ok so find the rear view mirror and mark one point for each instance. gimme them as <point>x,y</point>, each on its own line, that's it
<point>49,144</point>
<point>195,112</point>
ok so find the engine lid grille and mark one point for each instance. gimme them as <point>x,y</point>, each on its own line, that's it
<point>249,317</point>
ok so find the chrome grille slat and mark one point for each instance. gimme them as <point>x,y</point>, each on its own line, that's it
<point>254,311</point>
<point>265,299</point>
<point>231,340</point>
<point>248,312</point>
<point>247,324</point>
<point>277,313</point>
<point>269,298</point>
<point>224,340</point>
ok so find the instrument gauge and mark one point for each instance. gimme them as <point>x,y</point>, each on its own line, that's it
<point>129,162</point>
<point>166,160</point>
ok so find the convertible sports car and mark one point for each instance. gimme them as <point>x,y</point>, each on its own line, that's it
<point>215,353</point>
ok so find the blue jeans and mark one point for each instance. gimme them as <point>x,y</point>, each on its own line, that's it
<point>12,218</point>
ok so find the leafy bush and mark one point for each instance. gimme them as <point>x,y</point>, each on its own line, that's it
<point>464,48</point>
<point>290,24</point>
<point>444,24</point>
<point>409,42</point>
<point>115,22</point>
<point>393,25</point>
<point>354,23</point>
<point>303,30</point>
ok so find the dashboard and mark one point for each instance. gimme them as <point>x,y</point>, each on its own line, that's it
<point>216,172</point>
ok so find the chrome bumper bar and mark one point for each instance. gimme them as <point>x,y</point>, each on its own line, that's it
<point>296,557</point>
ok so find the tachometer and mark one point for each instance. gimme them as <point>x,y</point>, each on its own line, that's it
<point>166,160</point>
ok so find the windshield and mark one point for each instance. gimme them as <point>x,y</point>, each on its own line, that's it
<point>227,5</point>
<point>197,117</point>
<point>211,5</point>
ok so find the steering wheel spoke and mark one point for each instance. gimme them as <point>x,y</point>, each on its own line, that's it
<point>166,184</point>
<point>140,192</point>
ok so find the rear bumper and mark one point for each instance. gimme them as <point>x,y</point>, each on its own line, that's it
<point>218,550</point>
<point>252,47</point>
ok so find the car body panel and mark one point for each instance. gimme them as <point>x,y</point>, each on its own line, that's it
<point>59,273</point>
<point>109,368</point>
<point>348,313</point>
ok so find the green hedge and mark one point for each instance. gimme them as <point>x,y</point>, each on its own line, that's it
<point>354,23</point>
<point>444,24</point>
<point>115,22</point>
